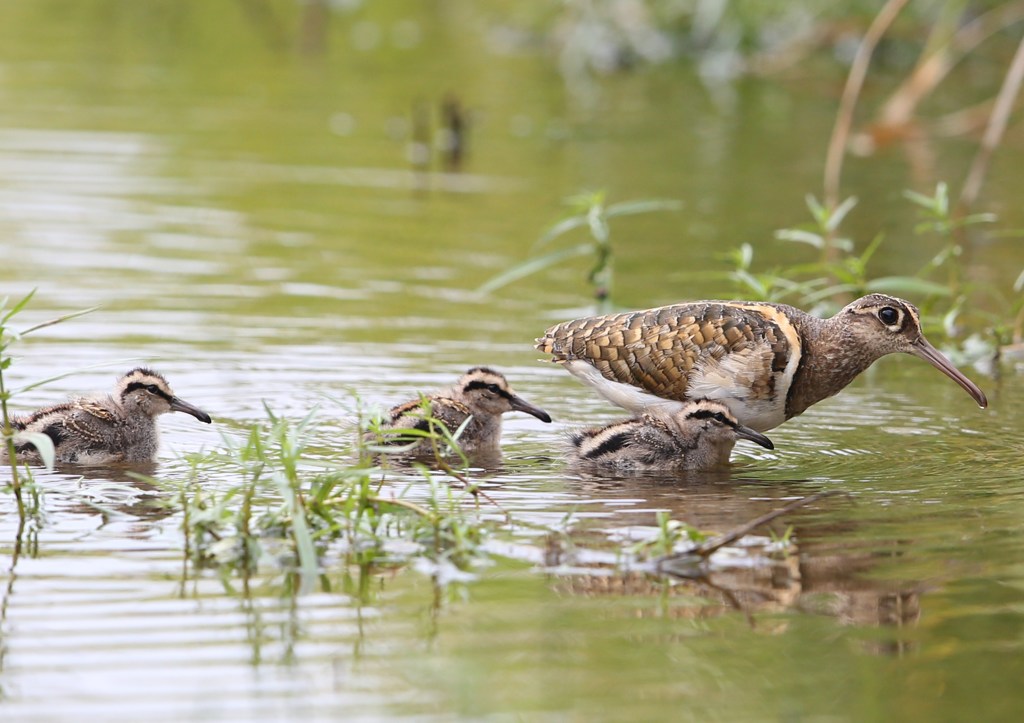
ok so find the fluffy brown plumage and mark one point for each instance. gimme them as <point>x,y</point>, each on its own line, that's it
<point>700,436</point>
<point>481,395</point>
<point>120,427</point>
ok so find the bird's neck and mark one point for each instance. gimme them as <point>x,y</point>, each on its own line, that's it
<point>133,417</point>
<point>830,359</point>
<point>701,449</point>
<point>710,454</point>
<point>483,430</point>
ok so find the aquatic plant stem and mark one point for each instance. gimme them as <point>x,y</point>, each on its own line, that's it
<point>994,130</point>
<point>9,589</point>
<point>188,540</point>
<point>12,459</point>
<point>411,506</point>
<point>245,517</point>
<point>471,487</point>
<point>848,102</point>
<point>709,547</point>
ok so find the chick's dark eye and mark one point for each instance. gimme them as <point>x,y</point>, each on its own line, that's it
<point>720,418</point>
<point>888,315</point>
<point>153,388</point>
<point>493,388</point>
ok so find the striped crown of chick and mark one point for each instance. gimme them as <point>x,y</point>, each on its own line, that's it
<point>766,362</point>
<point>698,437</point>
<point>481,395</point>
<point>108,429</point>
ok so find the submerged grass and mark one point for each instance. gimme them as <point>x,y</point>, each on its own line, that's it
<point>22,480</point>
<point>291,514</point>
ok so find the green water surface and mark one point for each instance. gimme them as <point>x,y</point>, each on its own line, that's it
<point>231,183</point>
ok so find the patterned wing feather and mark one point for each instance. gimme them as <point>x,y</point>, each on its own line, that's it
<point>665,350</point>
<point>410,415</point>
<point>82,421</point>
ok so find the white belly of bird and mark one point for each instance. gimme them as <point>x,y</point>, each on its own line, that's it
<point>712,382</point>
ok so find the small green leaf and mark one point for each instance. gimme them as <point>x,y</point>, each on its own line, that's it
<point>309,568</point>
<point>462,427</point>
<point>817,210</point>
<point>801,236</point>
<point>42,443</point>
<point>586,200</point>
<point>632,207</point>
<point>907,285</point>
<point>744,256</point>
<point>949,319</point>
<point>17,307</point>
<point>533,265</point>
<point>837,216</point>
<point>872,247</point>
<point>942,199</point>
<point>563,226</point>
<point>752,283</point>
<point>843,244</point>
<point>919,199</point>
<point>598,225</point>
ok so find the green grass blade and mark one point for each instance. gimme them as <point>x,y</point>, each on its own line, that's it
<point>627,208</point>
<point>872,247</point>
<point>309,566</point>
<point>563,226</point>
<point>839,214</point>
<point>531,266</point>
<point>58,320</point>
<point>801,236</point>
<point>17,307</point>
<point>919,199</point>
<point>43,445</point>
<point>907,285</point>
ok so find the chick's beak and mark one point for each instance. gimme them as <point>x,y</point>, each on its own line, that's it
<point>923,350</point>
<point>755,437</point>
<point>521,405</point>
<point>180,405</point>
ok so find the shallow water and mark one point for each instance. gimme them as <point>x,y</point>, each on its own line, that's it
<point>245,218</point>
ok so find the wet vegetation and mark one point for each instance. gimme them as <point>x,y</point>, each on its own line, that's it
<point>293,516</point>
<point>22,482</point>
<point>590,212</point>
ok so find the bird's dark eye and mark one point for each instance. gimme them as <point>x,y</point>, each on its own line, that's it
<point>493,388</point>
<point>719,417</point>
<point>888,315</point>
<point>153,388</point>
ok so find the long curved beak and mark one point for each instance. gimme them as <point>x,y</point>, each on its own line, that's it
<point>755,437</point>
<point>521,405</point>
<point>923,350</point>
<point>180,405</point>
